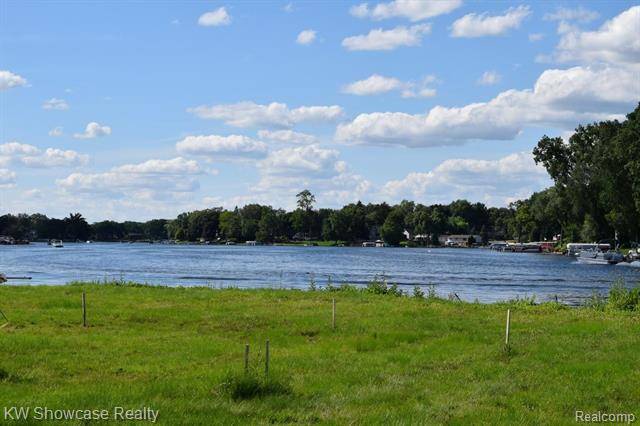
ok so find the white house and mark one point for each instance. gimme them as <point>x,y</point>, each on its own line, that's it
<point>458,240</point>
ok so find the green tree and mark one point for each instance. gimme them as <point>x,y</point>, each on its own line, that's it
<point>589,230</point>
<point>305,200</point>
<point>268,227</point>
<point>230,225</point>
<point>76,227</point>
<point>392,229</point>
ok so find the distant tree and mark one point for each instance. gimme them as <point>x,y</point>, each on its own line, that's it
<point>589,230</point>
<point>484,234</point>
<point>339,226</point>
<point>76,227</point>
<point>107,230</point>
<point>305,200</point>
<point>268,227</point>
<point>457,225</point>
<point>156,229</point>
<point>230,225</point>
<point>392,229</point>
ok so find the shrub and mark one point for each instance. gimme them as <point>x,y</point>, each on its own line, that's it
<point>622,298</point>
<point>596,301</point>
<point>431,292</point>
<point>417,292</point>
<point>379,286</point>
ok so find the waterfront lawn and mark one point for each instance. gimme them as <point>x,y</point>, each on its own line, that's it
<point>391,360</point>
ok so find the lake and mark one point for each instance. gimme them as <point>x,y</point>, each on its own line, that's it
<point>471,273</point>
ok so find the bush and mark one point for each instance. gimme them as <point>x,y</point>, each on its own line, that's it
<point>379,286</point>
<point>522,301</point>
<point>417,292</point>
<point>248,386</point>
<point>622,298</point>
<point>596,301</point>
<point>431,292</point>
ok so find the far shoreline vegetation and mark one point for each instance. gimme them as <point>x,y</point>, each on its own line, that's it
<point>595,197</point>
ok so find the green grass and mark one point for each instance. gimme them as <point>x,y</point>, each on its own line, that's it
<point>391,360</point>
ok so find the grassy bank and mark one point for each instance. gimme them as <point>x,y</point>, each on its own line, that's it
<point>391,360</point>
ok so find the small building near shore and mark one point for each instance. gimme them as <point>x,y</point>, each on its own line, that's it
<point>458,240</point>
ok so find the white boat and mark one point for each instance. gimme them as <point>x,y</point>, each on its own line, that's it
<point>574,249</point>
<point>57,243</point>
<point>599,257</point>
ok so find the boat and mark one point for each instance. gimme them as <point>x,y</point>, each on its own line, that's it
<point>574,249</point>
<point>599,257</point>
<point>57,243</point>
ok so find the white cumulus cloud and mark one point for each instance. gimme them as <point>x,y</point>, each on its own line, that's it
<point>306,37</point>
<point>379,39</point>
<point>287,136</point>
<point>215,18</point>
<point>535,37</point>
<point>55,104</point>
<point>559,98</point>
<point>275,114</point>
<point>7,178</point>
<point>377,84</point>
<point>489,78</point>
<point>579,14</point>
<point>151,179</point>
<point>31,156</point>
<point>617,41</point>
<point>310,160</point>
<point>373,85</point>
<point>176,165</point>
<point>496,182</point>
<point>413,10</point>
<point>285,171</point>
<point>218,147</point>
<point>93,130</point>
<point>480,25</point>
<point>9,80</point>
<point>56,131</point>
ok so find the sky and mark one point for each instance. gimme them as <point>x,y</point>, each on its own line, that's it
<point>139,110</point>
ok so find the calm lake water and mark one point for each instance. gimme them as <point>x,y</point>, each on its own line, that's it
<point>472,274</point>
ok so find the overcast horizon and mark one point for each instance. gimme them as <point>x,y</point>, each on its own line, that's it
<point>131,111</point>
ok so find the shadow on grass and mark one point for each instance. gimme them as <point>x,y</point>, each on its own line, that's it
<point>6,376</point>
<point>249,386</point>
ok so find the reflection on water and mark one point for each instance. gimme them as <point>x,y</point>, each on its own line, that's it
<point>472,274</point>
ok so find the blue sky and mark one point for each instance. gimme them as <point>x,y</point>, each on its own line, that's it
<point>135,110</point>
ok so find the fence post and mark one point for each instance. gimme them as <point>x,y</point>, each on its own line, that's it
<point>333,315</point>
<point>506,339</point>
<point>266,360</point>
<point>84,308</point>
<point>246,358</point>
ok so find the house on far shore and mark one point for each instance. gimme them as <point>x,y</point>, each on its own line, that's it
<point>458,240</point>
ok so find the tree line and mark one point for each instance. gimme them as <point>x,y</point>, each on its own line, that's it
<point>254,222</point>
<point>595,197</point>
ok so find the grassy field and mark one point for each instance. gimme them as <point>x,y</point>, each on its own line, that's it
<point>391,360</point>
